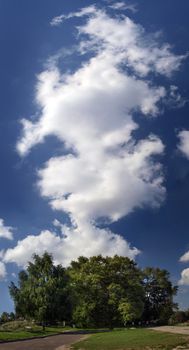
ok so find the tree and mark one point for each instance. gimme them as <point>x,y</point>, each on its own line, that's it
<point>12,316</point>
<point>41,293</point>
<point>187,315</point>
<point>22,304</point>
<point>4,317</point>
<point>93,292</point>
<point>131,311</point>
<point>178,317</point>
<point>159,294</point>
<point>100,285</point>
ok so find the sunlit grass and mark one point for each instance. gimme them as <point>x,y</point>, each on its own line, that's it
<point>133,339</point>
<point>23,330</point>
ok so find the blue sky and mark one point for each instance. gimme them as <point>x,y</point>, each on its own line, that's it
<point>94,144</point>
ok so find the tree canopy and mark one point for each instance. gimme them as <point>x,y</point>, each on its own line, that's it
<point>159,293</point>
<point>92,292</point>
<point>99,287</point>
<point>41,293</point>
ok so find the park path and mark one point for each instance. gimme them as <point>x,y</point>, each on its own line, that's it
<point>172,329</point>
<point>57,342</point>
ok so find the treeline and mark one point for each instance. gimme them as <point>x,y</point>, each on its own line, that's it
<point>179,317</point>
<point>94,292</point>
<point>7,317</point>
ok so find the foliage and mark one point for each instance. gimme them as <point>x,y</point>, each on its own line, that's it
<point>179,317</point>
<point>159,294</point>
<point>6,317</point>
<point>100,285</point>
<point>41,294</point>
<point>18,325</point>
<point>130,310</point>
<point>92,292</point>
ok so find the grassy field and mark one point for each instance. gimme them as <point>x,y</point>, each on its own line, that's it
<point>23,330</point>
<point>133,339</point>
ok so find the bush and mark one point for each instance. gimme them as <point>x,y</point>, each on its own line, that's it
<point>19,326</point>
<point>178,317</point>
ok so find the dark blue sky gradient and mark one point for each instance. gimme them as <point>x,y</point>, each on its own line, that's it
<point>26,41</point>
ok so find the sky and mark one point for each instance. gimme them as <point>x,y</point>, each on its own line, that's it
<point>94,134</point>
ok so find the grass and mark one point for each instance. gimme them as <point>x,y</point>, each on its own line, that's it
<point>16,330</point>
<point>133,339</point>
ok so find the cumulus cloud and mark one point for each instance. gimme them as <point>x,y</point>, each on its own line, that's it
<point>5,231</point>
<point>106,185</point>
<point>2,270</point>
<point>184,142</point>
<point>106,173</point>
<point>184,148</point>
<point>184,277</point>
<point>184,280</point>
<point>74,242</point>
<point>185,257</point>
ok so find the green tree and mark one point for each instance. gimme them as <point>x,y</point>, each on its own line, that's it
<point>100,285</point>
<point>131,311</point>
<point>22,303</point>
<point>159,293</point>
<point>12,316</point>
<point>4,317</point>
<point>178,317</point>
<point>41,293</point>
<point>93,292</point>
<point>187,315</point>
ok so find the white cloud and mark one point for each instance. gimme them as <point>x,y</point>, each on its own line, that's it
<point>130,44</point>
<point>184,142</point>
<point>184,280</point>
<point>175,100</point>
<point>2,270</point>
<point>56,21</point>
<point>71,244</point>
<point>184,277</point>
<point>121,5</point>
<point>185,257</point>
<point>111,188</point>
<point>184,148</point>
<point>106,172</point>
<point>5,231</point>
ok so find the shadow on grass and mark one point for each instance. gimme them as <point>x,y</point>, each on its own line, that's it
<point>87,331</point>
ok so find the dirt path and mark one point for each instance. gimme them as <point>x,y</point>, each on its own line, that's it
<point>172,329</point>
<point>57,342</point>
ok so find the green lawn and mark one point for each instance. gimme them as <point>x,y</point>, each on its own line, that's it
<point>132,339</point>
<point>17,330</point>
<point>15,335</point>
